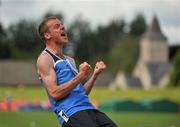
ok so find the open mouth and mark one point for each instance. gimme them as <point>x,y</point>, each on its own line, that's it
<point>63,34</point>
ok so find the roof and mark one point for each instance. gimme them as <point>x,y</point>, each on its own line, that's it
<point>153,32</point>
<point>157,71</point>
<point>133,81</point>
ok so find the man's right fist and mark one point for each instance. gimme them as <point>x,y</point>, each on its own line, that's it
<point>85,69</point>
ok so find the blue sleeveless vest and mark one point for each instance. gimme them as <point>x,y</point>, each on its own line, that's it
<point>77,99</point>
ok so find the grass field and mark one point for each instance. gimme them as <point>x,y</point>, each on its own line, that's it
<point>122,119</point>
<point>97,94</point>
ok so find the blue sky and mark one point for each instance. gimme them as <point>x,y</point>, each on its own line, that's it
<point>97,12</point>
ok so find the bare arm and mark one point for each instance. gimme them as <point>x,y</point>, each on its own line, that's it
<point>47,73</point>
<point>100,66</point>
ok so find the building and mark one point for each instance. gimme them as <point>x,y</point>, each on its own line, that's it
<point>153,65</point>
<point>13,73</point>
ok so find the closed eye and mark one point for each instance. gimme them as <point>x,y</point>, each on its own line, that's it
<point>56,26</point>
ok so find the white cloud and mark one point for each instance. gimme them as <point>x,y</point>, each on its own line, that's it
<point>172,33</point>
<point>97,11</point>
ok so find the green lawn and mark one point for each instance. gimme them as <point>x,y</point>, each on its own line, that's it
<point>28,119</point>
<point>129,119</point>
<point>123,119</point>
<point>101,94</point>
<point>97,94</point>
<point>48,119</point>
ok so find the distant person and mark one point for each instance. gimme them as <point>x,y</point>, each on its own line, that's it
<point>8,102</point>
<point>63,82</point>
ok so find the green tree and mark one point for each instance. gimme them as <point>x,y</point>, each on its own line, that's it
<point>24,39</point>
<point>175,72</point>
<point>2,32</point>
<point>94,44</point>
<point>138,25</point>
<point>5,48</point>
<point>108,35</point>
<point>24,35</point>
<point>58,15</point>
<point>124,54</point>
<point>5,51</point>
<point>79,34</point>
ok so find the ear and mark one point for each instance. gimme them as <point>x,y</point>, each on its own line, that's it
<point>47,36</point>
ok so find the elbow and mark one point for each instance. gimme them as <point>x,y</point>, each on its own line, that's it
<point>56,96</point>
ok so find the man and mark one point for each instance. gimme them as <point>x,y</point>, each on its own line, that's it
<point>63,83</point>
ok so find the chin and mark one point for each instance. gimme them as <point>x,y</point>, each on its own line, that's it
<point>64,42</point>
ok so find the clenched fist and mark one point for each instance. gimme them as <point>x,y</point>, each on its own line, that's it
<point>100,66</point>
<point>85,69</point>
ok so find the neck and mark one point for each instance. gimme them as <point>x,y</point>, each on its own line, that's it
<point>56,49</point>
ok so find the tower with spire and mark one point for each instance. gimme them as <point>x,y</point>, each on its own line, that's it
<point>153,45</point>
<point>153,65</point>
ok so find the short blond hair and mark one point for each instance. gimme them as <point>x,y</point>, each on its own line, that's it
<point>42,28</point>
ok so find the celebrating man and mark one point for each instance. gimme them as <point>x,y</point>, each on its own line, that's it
<point>63,82</point>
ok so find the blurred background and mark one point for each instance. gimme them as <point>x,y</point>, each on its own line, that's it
<point>139,40</point>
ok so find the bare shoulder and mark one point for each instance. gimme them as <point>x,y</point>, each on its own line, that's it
<point>44,60</point>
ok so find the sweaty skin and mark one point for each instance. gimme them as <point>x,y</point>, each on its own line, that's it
<point>55,39</point>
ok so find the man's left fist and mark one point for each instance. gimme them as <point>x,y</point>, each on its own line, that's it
<point>100,66</point>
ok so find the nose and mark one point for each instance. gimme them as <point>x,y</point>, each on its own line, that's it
<point>62,27</point>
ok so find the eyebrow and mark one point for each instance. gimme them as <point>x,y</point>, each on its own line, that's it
<point>58,24</point>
